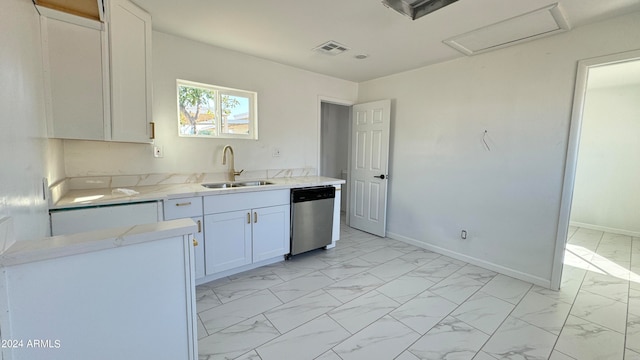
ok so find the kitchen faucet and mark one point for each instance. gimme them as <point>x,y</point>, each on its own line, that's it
<point>232,172</point>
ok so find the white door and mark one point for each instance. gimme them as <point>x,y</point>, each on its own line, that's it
<point>369,166</point>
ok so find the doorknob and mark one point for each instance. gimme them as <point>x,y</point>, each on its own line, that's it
<point>381,176</point>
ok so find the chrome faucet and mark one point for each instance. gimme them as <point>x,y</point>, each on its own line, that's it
<point>232,172</point>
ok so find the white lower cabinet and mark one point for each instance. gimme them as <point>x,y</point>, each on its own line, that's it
<point>241,229</point>
<point>136,291</point>
<point>190,207</point>
<point>335,232</point>
<point>270,232</point>
<point>198,250</point>
<point>228,240</point>
<point>71,221</point>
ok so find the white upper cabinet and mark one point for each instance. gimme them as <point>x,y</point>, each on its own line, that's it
<point>130,55</point>
<point>74,79</point>
<point>98,75</point>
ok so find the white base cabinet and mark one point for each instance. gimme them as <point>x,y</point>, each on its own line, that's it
<point>71,221</point>
<point>270,232</point>
<point>246,228</point>
<point>191,207</point>
<point>335,232</point>
<point>198,248</point>
<point>123,294</point>
<point>228,240</point>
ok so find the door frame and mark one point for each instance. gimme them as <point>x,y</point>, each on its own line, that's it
<point>572,153</point>
<point>342,102</point>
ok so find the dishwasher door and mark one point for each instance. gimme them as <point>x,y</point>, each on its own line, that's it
<point>311,218</point>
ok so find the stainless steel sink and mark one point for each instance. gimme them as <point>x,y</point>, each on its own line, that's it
<point>225,185</point>
<point>254,183</point>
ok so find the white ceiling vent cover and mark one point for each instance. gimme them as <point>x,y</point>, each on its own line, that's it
<point>533,25</point>
<point>331,48</point>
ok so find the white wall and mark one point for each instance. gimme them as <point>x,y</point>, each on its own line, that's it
<point>26,156</point>
<point>287,111</point>
<point>606,192</point>
<point>335,139</point>
<point>508,199</point>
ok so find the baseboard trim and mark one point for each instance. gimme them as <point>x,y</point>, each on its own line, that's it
<point>546,283</point>
<point>605,229</point>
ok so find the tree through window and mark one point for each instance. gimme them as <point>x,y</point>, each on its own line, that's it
<point>213,111</point>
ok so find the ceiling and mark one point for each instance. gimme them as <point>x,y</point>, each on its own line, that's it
<point>286,31</point>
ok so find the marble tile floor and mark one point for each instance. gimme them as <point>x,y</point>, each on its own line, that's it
<point>373,298</point>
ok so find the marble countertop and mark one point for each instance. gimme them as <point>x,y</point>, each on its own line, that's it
<point>22,252</point>
<point>112,196</point>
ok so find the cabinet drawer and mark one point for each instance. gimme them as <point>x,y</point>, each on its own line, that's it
<point>182,208</point>
<point>251,200</point>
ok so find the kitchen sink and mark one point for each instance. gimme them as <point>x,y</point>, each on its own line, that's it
<point>225,185</point>
<point>254,183</point>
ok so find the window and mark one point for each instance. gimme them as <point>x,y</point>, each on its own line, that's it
<point>213,111</point>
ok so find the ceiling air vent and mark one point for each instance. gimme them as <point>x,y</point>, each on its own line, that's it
<point>331,48</point>
<point>533,25</point>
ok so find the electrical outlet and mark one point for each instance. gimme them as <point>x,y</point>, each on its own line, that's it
<point>463,234</point>
<point>276,152</point>
<point>158,151</point>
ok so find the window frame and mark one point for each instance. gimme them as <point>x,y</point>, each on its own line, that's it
<point>219,91</point>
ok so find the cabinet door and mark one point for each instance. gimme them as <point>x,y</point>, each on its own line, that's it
<point>227,240</point>
<point>130,45</point>
<point>74,84</point>
<point>270,232</point>
<point>199,249</point>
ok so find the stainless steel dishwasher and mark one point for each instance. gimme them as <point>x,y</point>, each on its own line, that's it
<point>311,218</point>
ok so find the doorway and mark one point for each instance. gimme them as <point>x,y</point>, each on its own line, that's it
<point>605,195</point>
<point>335,121</point>
<point>609,77</point>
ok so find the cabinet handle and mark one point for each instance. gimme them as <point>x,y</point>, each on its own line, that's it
<point>199,226</point>
<point>153,130</point>
<point>255,217</point>
<point>184,204</point>
<point>248,218</point>
<point>195,242</point>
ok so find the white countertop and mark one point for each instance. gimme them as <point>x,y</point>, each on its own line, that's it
<point>111,196</point>
<point>27,251</point>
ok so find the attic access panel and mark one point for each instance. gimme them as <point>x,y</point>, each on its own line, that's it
<point>530,26</point>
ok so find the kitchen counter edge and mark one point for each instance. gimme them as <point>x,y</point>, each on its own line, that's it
<point>75,199</point>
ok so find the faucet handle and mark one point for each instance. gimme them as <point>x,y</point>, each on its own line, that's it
<point>237,173</point>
